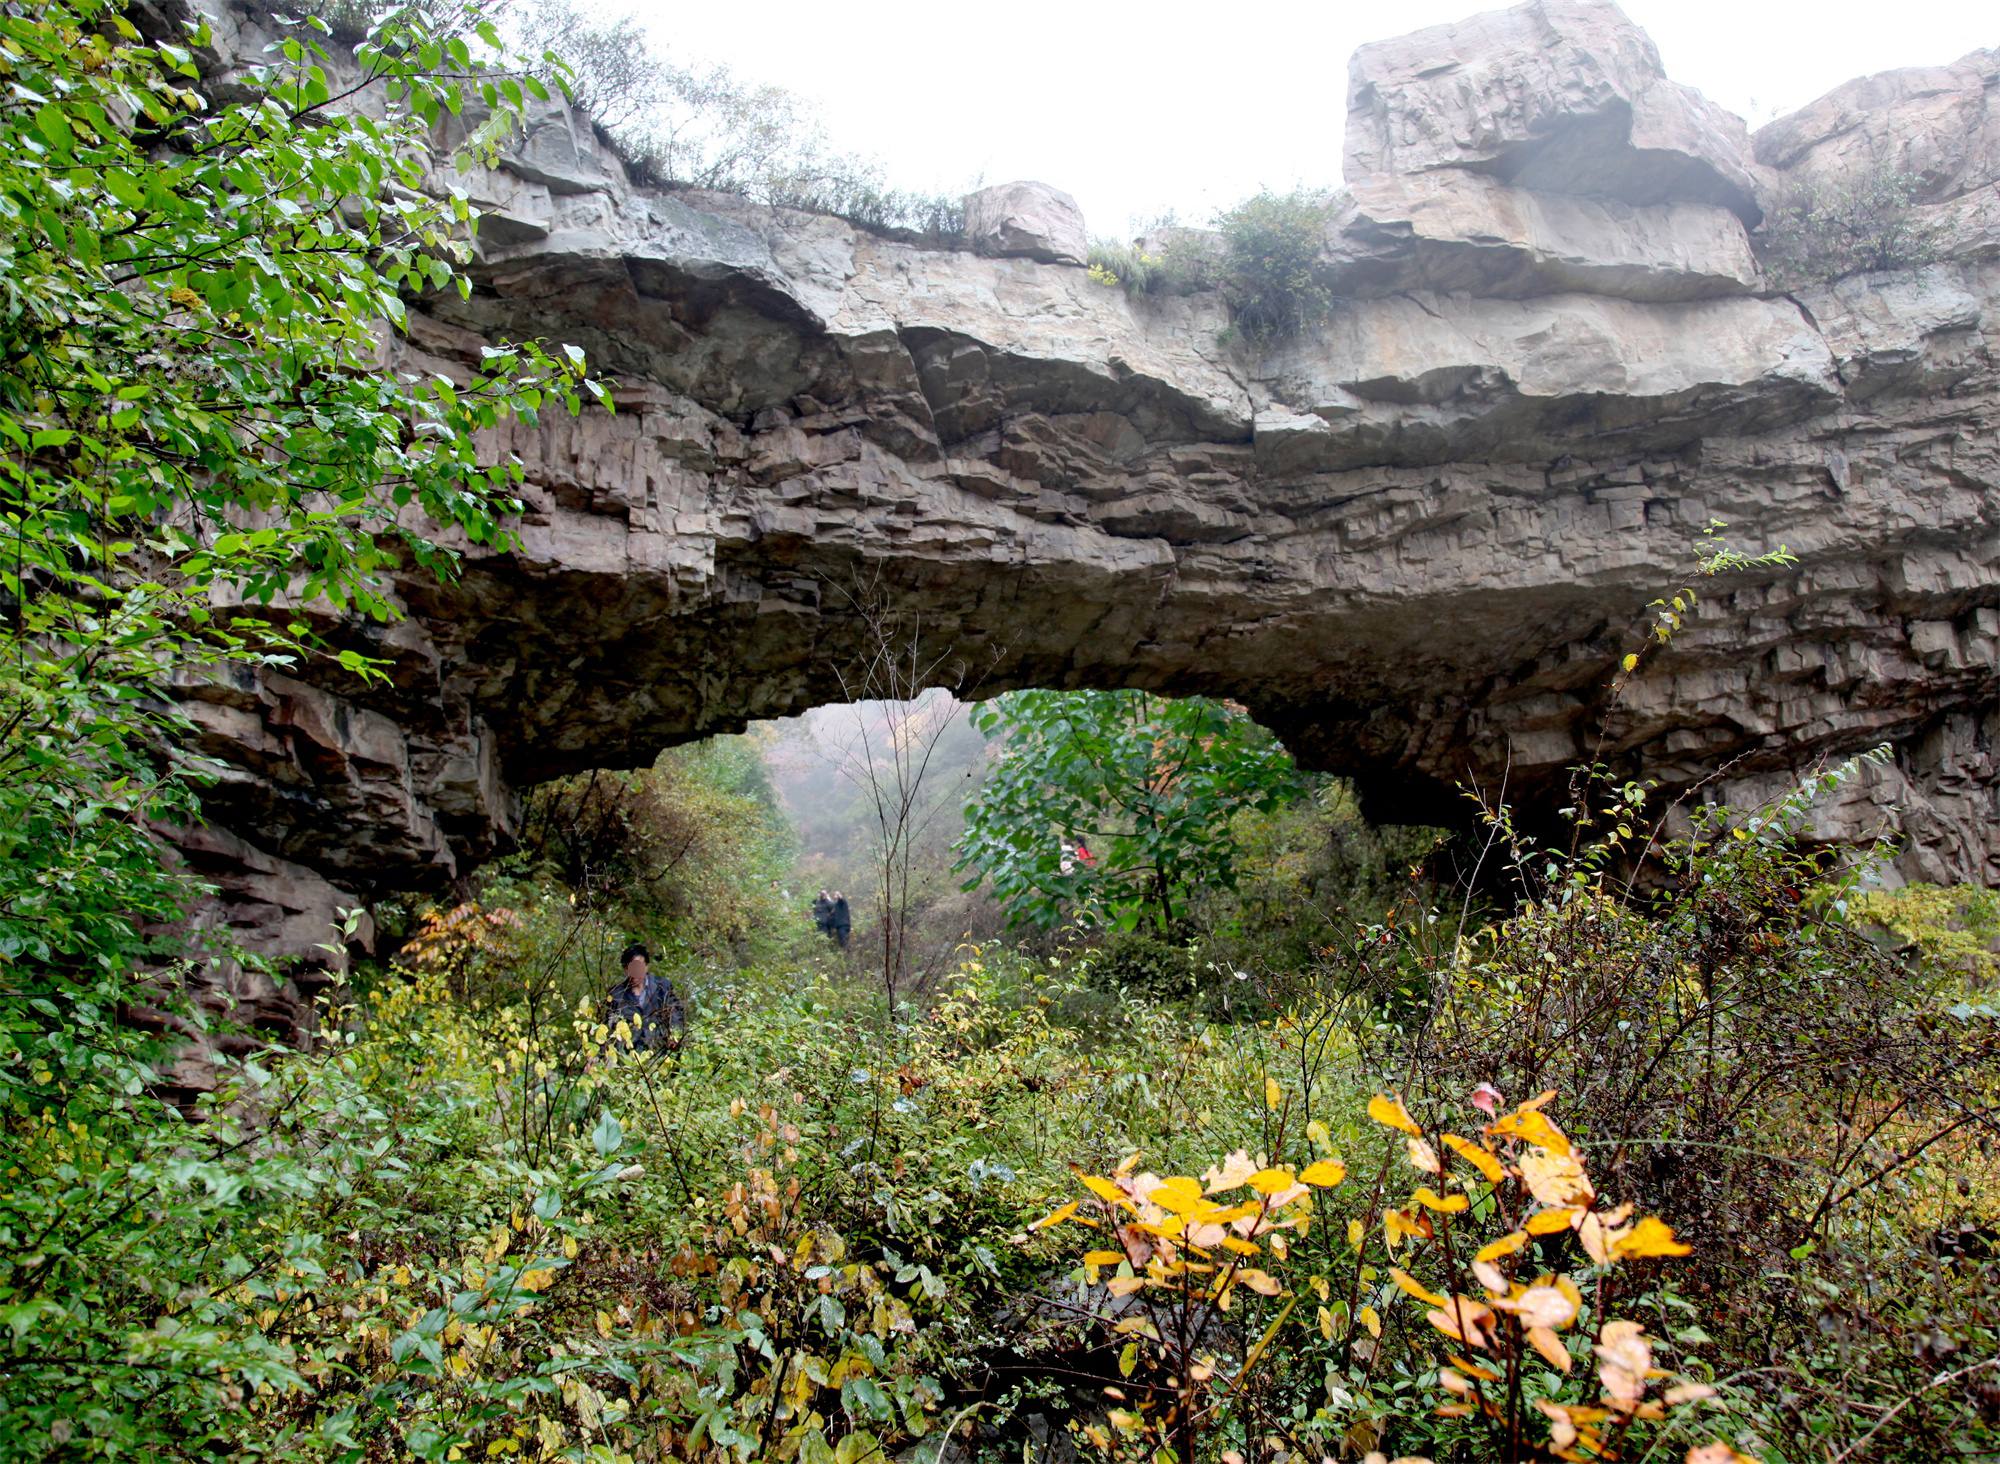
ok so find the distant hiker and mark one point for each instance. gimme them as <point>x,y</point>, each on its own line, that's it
<point>840,922</point>
<point>1083,855</point>
<point>644,1002</point>
<point>823,914</point>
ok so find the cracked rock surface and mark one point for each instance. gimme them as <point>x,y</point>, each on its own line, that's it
<point>1414,541</point>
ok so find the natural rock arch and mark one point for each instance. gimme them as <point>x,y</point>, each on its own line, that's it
<point>1414,541</point>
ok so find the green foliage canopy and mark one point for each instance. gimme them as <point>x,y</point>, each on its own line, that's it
<point>203,457</point>
<point>200,441</point>
<point>1149,783</point>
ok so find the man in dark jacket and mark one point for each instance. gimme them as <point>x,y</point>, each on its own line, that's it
<point>841,922</point>
<point>644,1002</point>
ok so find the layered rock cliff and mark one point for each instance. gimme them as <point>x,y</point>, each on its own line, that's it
<point>1414,540</point>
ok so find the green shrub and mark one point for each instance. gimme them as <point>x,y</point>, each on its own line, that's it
<point>1174,261</point>
<point>1955,926</point>
<point>1825,229</point>
<point>1272,251</point>
<point>1266,255</point>
<point>692,851</point>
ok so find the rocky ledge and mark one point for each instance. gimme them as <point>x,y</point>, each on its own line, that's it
<point>1414,541</point>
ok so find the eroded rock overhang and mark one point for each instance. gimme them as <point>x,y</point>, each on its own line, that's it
<point>1414,540</point>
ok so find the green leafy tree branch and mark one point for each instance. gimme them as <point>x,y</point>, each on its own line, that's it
<point>1148,783</point>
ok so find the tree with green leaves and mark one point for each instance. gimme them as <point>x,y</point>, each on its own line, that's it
<point>1148,783</point>
<point>204,454</point>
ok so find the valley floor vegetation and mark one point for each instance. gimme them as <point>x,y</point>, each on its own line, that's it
<point>1571,1172</point>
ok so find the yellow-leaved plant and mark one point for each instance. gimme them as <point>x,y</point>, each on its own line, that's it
<point>1518,1264</point>
<point>1176,1252</point>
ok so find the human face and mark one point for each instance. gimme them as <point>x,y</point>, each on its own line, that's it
<point>635,972</point>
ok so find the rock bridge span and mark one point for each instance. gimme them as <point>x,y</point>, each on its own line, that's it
<point>1414,540</point>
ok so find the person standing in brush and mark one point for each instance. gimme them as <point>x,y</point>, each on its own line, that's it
<point>644,1002</point>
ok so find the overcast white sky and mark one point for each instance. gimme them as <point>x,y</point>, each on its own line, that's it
<point>1139,108</point>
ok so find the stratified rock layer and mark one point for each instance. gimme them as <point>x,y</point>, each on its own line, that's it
<point>1414,541</point>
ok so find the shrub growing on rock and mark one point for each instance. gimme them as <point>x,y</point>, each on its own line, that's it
<point>1825,229</point>
<point>1265,255</point>
<point>1272,247</point>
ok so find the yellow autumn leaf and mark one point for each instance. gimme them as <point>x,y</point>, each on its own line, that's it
<point>1103,1257</point>
<point>1228,1213</point>
<point>1272,1181</point>
<point>1624,1357</point>
<point>1477,1155</point>
<point>1543,1306</point>
<point>1533,1127</point>
<point>1356,1232</point>
<point>1390,1113</point>
<point>1548,1222</point>
<point>1430,1199</point>
<point>1057,1216</point>
<point>1326,1324</point>
<point>1324,1173</point>
<point>1550,1346</point>
<point>1125,1285</point>
<point>1372,1320</point>
<point>1506,1245</point>
<point>1231,1173</point>
<point>1461,1319</point>
<point>1555,1179</point>
<point>1273,1094</point>
<point>1631,661</point>
<point>1105,1190</point>
<point>1317,1133</point>
<point>1409,1284</point>
<point>1650,1237</point>
<point>1178,1193</point>
<point>1240,1247</point>
<point>1261,1282</point>
<point>1397,1224</point>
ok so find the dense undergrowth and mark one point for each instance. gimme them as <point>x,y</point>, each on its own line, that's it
<point>1328,1160</point>
<point>473,1225</point>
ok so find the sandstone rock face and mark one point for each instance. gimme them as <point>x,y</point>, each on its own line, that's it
<point>1415,541</point>
<point>1565,96</point>
<point>1026,221</point>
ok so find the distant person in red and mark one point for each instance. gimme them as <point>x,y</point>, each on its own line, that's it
<point>1083,854</point>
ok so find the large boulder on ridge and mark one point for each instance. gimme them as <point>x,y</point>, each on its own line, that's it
<point>1026,221</point>
<point>1566,96</point>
